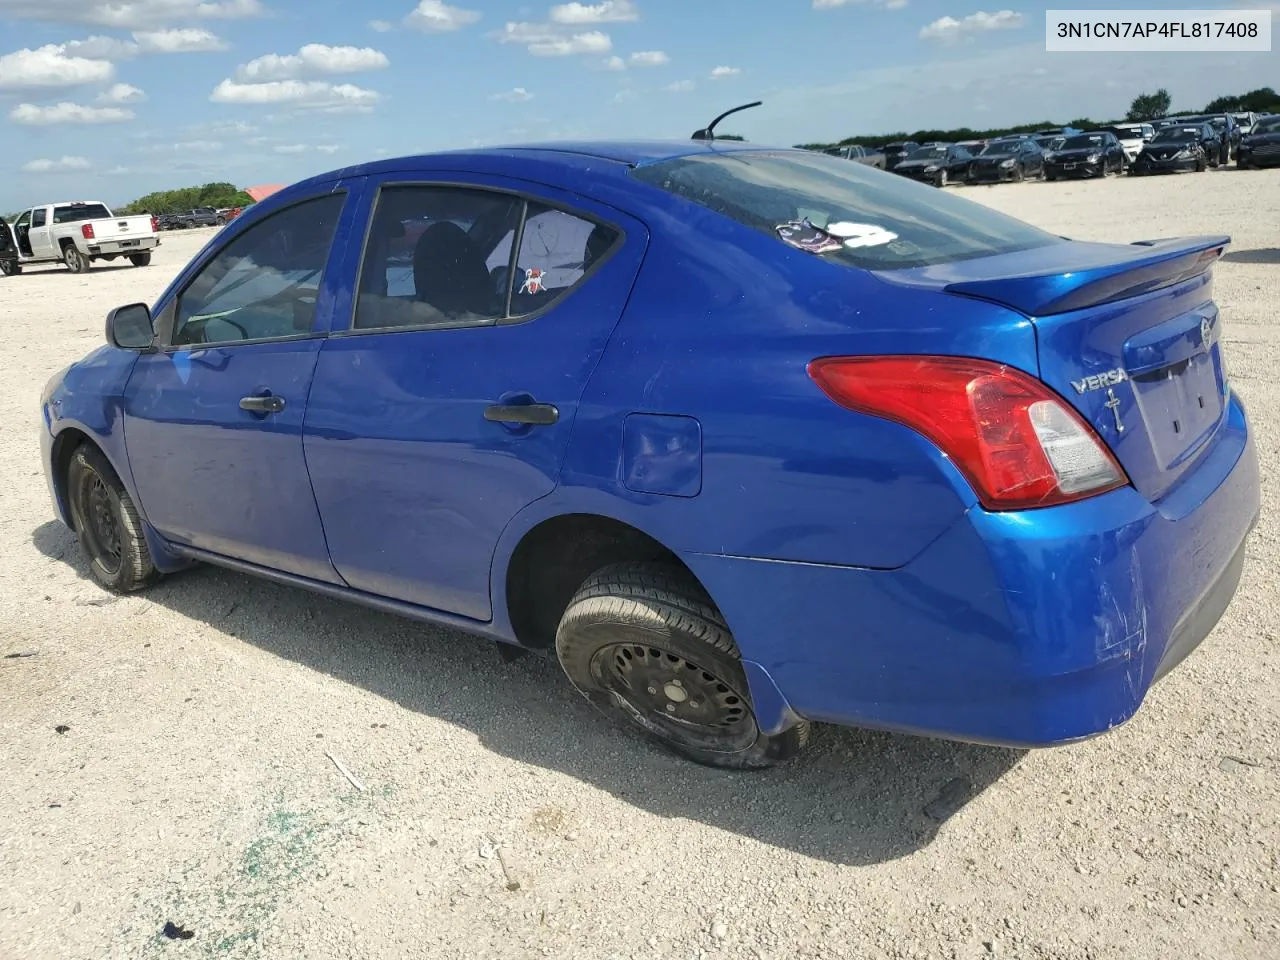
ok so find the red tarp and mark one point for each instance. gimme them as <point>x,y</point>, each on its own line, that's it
<point>261,193</point>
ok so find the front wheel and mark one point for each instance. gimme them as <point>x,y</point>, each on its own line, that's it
<point>940,180</point>
<point>1019,174</point>
<point>140,259</point>
<point>76,261</point>
<point>108,524</point>
<point>645,644</point>
<point>10,268</point>
<point>1201,165</point>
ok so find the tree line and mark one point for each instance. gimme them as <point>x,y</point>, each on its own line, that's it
<point>216,195</point>
<point>1146,106</point>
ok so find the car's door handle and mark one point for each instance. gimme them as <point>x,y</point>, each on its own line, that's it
<point>267,404</point>
<point>537,414</point>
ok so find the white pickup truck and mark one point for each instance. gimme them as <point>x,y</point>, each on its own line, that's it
<point>77,233</point>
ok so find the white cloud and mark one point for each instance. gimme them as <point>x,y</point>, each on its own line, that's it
<point>122,93</point>
<point>49,66</point>
<point>615,63</point>
<point>184,40</point>
<point>313,60</point>
<point>118,171</point>
<point>100,48</point>
<point>382,26</point>
<point>649,58</point>
<point>547,40</point>
<point>130,13</point>
<point>312,93</point>
<point>292,148</point>
<point>64,165</point>
<point>518,95</point>
<point>435,16</point>
<point>58,113</point>
<point>949,29</point>
<point>720,73</point>
<point>681,86</point>
<point>328,148</point>
<point>609,11</point>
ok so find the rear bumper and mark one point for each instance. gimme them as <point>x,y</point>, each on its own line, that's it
<point>123,247</point>
<point>1026,629</point>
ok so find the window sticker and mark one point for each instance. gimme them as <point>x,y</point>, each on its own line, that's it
<point>532,281</point>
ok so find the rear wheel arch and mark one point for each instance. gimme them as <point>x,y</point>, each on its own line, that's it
<point>556,556</point>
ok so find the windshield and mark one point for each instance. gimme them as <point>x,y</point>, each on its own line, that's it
<point>927,153</point>
<point>1176,135</point>
<point>1083,142</point>
<point>1270,125</point>
<point>80,211</point>
<point>842,211</point>
<point>1127,133</point>
<point>999,146</point>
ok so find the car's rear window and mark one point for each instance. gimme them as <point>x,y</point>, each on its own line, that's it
<point>77,212</point>
<point>845,212</point>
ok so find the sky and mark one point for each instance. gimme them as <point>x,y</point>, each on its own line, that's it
<point>112,99</point>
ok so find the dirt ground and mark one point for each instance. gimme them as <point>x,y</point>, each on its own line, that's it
<point>192,784</point>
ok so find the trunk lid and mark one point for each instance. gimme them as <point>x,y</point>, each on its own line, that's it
<point>122,228</point>
<point>1128,334</point>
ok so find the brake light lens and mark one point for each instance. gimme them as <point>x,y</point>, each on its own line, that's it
<point>1017,442</point>
<point>86,231</point>
<point>155,224</point>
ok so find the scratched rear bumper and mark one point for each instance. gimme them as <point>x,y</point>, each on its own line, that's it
<point>1029,628</point>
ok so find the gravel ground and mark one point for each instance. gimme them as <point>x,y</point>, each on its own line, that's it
<point>193,785</point>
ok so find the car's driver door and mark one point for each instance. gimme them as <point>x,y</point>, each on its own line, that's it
<point>213,419</point>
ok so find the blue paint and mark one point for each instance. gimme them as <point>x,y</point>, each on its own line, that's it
<point>862,581</point>
<point>662,454</point>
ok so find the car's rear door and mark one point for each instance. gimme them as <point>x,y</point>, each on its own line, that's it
<point>442,409</point>
<point>213,419</point>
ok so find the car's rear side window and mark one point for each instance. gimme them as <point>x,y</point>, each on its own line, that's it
<point>875,220</point>
<point>442,256</point>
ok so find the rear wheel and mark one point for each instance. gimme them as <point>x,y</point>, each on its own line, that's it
<point>108,524</point>
<point>645,644</point>
<point>140,259</point>
<point>76,261</point>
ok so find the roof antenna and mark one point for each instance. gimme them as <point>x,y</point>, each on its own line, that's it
<point>709,132</point>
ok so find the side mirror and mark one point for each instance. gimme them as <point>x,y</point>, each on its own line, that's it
<point>130,328</point>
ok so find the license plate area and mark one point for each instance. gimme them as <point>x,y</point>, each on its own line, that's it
<point>1180,405</point>
<point>128,243</point>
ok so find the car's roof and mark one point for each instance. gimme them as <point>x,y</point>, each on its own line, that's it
<point>632,153</point>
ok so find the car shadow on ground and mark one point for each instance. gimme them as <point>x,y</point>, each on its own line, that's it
<point>855,797</point>
<point>1259,255</point>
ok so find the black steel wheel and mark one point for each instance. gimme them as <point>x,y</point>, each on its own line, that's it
<point>10,268</point>
<point>644,643</point>
<point>108,524</point>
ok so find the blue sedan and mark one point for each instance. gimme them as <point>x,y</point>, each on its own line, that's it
<point>749,438</point>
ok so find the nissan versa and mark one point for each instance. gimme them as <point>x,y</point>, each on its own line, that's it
<point>749,437</point>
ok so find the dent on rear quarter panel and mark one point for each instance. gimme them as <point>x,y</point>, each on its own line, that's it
<point>720,327</point>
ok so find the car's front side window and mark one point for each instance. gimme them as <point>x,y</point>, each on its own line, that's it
<point>264,283</point>
<point>37,219</point>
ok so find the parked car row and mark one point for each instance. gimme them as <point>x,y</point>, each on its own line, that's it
<point>198,217</point>
<point>1191,143</point>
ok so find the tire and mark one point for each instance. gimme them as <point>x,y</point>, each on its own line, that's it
<point>1019,174</point>
<point>941,180</point>
<point>10,268</point>
<point>76,261</point>
<point>140,259</point>
<point>1201,165</point>
<point>650,630</point>
<point>108,524</point>
<point>1051,177</point>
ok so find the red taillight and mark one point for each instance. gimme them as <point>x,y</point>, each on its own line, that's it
<point>86,231</point>
<point>1018,443</point>
<point>155,224</point>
